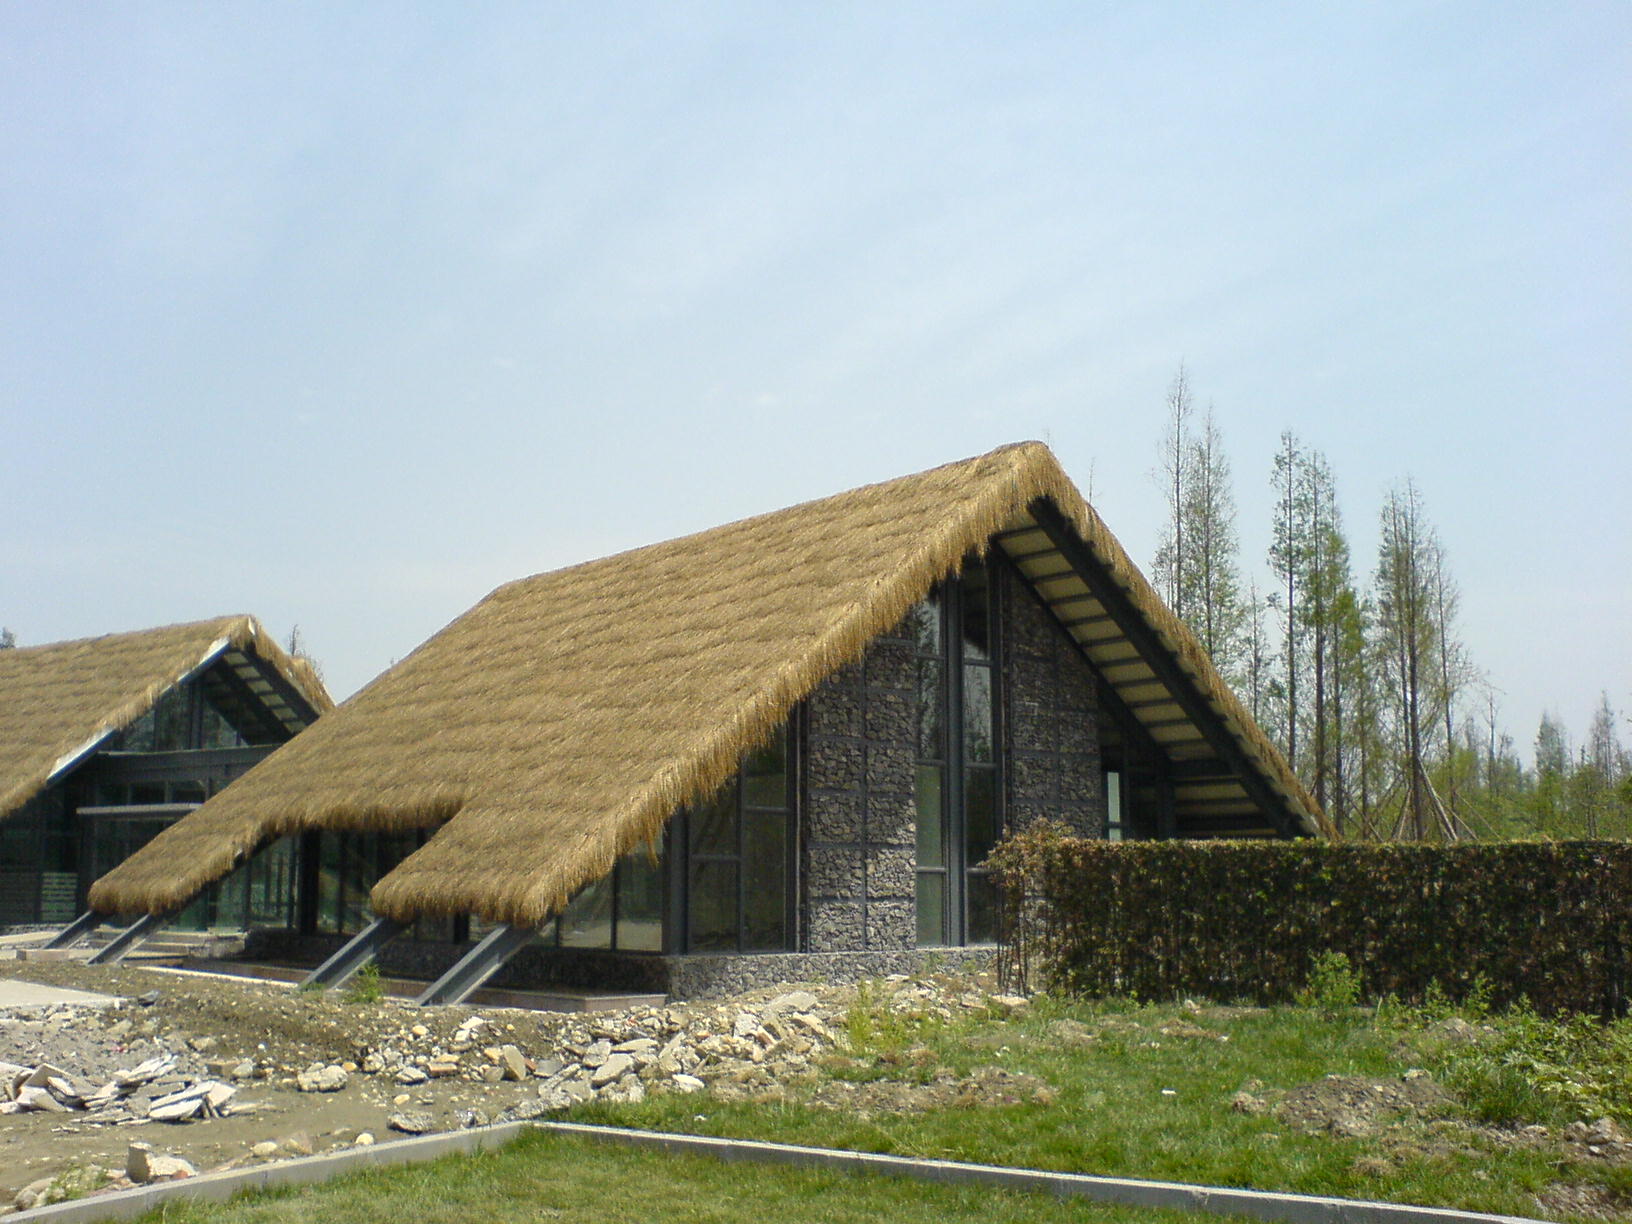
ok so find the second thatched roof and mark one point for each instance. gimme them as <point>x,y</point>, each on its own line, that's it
<point>559,723</point>
<point>60,700</point>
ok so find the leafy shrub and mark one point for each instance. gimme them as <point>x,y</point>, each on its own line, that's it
<point>1519,1067</point>
<point>1333,985</point>
<point>365,986</point>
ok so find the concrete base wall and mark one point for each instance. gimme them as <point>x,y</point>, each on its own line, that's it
<point>679,977</point>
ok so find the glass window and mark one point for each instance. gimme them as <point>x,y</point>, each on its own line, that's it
<point>271,888</point>
<point>980,814</point>
<point>931,827</point>
<point>639,887</point>
<point>358,877</point>
<point>976,629</point>
<point>172,719</point>
<point>765,894</point>
<point>713,918</point>
<point>930,711</point>
<point>714,824</point>
<point>328,881</point>
<point>978,720</point>
<point>765,774</point>
<point>983,908</point>
<point>931,908</point>
<point>138,737</point>
<point>1113,805</point>
<point>923,626</point>
<point>587,920</point>
<point>736,847</point>
<point>959,809</point>
<point>217,731</point>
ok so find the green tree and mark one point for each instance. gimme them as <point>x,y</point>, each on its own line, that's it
<point>8,639</point>
<point>1287,560</point>
<point>1552,755</point>
<point>1596,791</point>
<point>1408,634</point>
<point>1327,584</point>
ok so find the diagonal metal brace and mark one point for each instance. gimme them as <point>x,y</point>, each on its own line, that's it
<point>76,930</point>
<point>477,965</point>
<point>353,954</point>
<point>125,942</point>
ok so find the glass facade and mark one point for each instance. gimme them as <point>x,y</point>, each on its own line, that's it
<point>959,808</point>
<point>737,848</point>
<point>342,869</point>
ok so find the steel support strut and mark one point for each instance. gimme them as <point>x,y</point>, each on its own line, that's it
<point>354,954</point>
<point>127,939</point>
<point>477,965</point>
<point>76,930</point>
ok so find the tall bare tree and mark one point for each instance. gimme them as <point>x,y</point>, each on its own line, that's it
<point>1256,657</point>
<point>1218,616</point>
<point>1174,472</point>
<point>1410,630</point>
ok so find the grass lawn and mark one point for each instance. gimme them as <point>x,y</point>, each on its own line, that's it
<point>1132,1100</point>
<point>1098,1087</point>
<point>547,1177</point>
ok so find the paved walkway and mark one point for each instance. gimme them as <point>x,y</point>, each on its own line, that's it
<point>15,994</point>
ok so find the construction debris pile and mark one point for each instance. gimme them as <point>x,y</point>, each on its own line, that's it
<point>148,1091</point>
<point>122,1074</point>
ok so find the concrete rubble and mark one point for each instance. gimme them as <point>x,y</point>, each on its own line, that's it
<point>152,1089</point>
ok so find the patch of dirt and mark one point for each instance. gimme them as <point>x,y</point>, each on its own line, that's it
<point>1584,1199</point>
<point>984,1087</point>
<point>1353,1106</point>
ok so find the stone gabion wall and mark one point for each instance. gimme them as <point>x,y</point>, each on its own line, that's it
<point>1051,718</point>
<point>859,814</point>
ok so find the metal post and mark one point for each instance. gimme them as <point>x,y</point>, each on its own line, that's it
<point>477,965</point>
<point>354,954</point>
<point>125,942</point>
<point>76,930</point>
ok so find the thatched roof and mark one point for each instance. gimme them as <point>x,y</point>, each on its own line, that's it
<point>560,722</point>
<point>58,701</point>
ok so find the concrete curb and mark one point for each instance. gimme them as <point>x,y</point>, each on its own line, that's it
<point>218,1187</point>
<point>1262,1204</point>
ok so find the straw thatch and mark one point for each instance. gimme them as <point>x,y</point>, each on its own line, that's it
<point>58,700</point>
<point>560,722</point>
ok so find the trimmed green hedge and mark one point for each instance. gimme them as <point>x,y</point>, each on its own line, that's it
<point>1547,922</point>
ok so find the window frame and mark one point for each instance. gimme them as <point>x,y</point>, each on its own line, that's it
<point>679,858</point>
<point>948,598</point>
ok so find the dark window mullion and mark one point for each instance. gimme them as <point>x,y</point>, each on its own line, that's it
<point>742,847</point>
<point>952,791</point>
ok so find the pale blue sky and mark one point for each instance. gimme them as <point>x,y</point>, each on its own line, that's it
<point>345,314</point>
